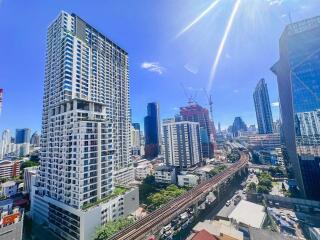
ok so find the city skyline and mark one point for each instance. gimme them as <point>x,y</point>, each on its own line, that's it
<point>152,67</point>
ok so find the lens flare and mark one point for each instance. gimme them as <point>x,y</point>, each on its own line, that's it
<point>222,43</point>
<point>197,19</point>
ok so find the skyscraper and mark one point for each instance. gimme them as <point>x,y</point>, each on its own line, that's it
<point>238,125</point>
<point>35,139</point>
<point>152,131</point>
<point>298,75</point>
<point>85,143</point>
<point>23,135</point>
<point>5,143</point>
<point>182,143</point>
<point>195,113</point>
<point>263,109</point>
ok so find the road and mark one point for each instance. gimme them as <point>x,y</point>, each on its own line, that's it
<point>168,211</point>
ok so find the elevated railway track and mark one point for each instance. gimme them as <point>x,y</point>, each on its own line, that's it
<point>162,216</point>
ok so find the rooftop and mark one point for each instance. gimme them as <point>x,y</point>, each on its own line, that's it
<point>263,234</point>
<point>203,235</point>
<point>8,184</point>
<point>217,228</point>
<point>249,214</point>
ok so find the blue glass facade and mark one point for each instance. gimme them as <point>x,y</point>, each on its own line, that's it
<point>298,72</point>
<point>152,131</point>
<point>23,135</point>
<point>263,109</point>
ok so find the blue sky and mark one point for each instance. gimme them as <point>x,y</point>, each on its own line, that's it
<point>162,56</point>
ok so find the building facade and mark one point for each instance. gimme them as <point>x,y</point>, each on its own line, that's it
<point>182,143</point>
<point>298,75</point>
<point>85,139</point>
<point>238,126</point>
<point>35,139</point>
<point>195,113</point>
<point>9,169</point>
<point>23,135</point>
<point>152,131</point>
<point>263,108</point>
<point>135,141</point>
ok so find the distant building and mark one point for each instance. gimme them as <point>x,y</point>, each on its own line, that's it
<point>152,131</point>
<point>298,75</point>
<point>135,141</point>
<point>136,126</point>
<point>195,113</point>
<point>5,143</point>
<point>35,139</point>
<point>9,169</point>
<point>165,174</point>
<point>23,135</point>
<point>277,126</point>
<point>263,108</point>
<point>264,141</point>
<point>11,221</point>
<point>9,189</point>
<point>188,180</point>
<point>238,126</point>
<point>142,170</point>
<point>182,143</point>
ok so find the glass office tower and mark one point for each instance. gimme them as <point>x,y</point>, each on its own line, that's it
<point>263,109</point>
<point>298,73</point>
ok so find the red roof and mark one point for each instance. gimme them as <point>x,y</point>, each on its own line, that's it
<point>203,235</point>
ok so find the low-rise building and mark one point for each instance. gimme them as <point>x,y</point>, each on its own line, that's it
<point>165,174</point>
<point>9,189</point>
<point>9,169</point>
<point>248,214</point>
<point>222,230</point>
<point>11,221</point>
<point>188,180</point>
<point>142,171</point>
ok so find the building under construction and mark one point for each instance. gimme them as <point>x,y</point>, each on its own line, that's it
<point>195,113</point>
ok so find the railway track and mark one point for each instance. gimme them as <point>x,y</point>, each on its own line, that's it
<point>160,216</point>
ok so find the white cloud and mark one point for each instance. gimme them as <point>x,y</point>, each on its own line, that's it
<point>191,68</point>
<point>275,2</point>
<point>275,104</point>
<point>236,91</point>
<point>176,108</point>
<point>153,67</point>
<point>228,56</point>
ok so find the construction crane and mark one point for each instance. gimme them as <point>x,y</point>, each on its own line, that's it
<point>209,98</point>
<point>190,97</point>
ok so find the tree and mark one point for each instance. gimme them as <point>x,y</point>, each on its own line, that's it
<point>218,170</point>
<point>28,164</point>
<point>165,195</point>
<point>111,228</point>
<point>252,187</point>
<point>262,189</point>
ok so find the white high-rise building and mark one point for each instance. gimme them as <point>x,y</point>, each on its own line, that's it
<point>85,140</point>
<point>135,141</point>
<point>182,143</point>
<point>5,143</point>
